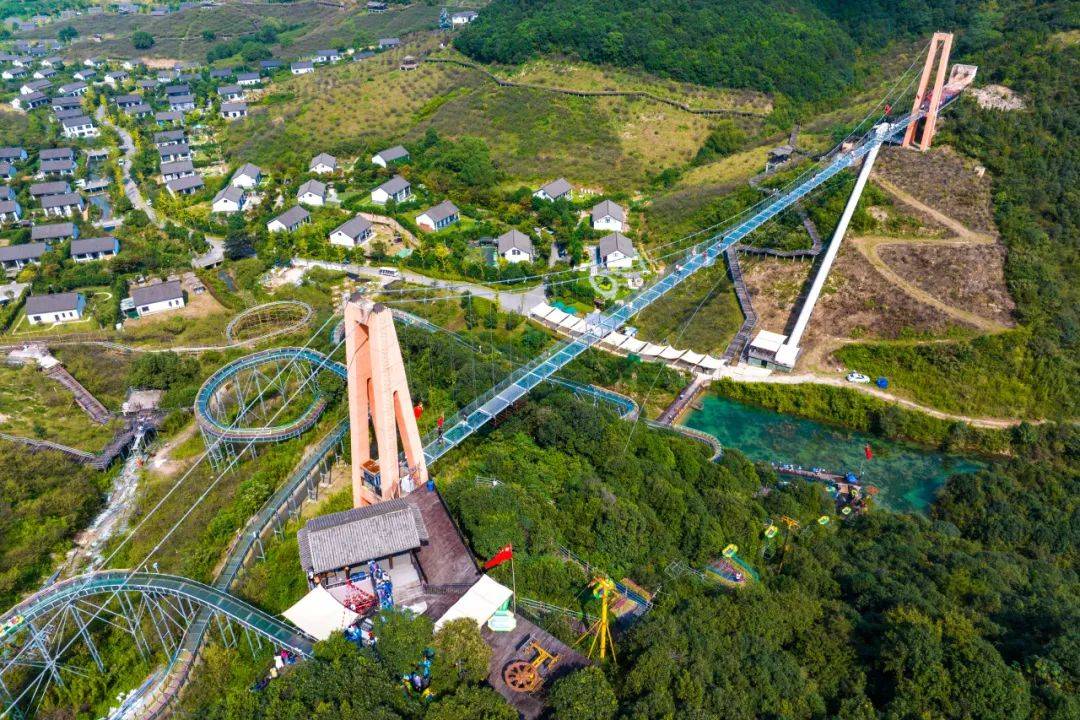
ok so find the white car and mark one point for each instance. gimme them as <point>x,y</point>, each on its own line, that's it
<point>855,377</point>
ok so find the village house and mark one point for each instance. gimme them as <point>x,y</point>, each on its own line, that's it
<point>115,79</point>
<point>607,215</point>
<point>389,156</point>
<point>174,151</point>
<point>15,257</point>
<point>12,154</point>
<point>156,298</point>
<point>54,233</point>
<point>247,176</point>
<point>64,205</point>
<point>352,233</point>
<point>79,126</point>
<point>7,170</point>
<point>515,247</point>
<point>323,164</point>
<point>269,66</point>
<point>463,17</point>
<point>44,73</point>
<point>396,188</point>
<point>555,190</point>
<point>312,193</point>
<point>55,308</point>
<point>230,199</point>
<point>230,92</point>
<point>168,117</point>
<point>615,251</point>
<point>168,137</point>
<point>96,248</point>
<point>290,220</point>
<point>438,217</point>
<point>248,79</point>
<point>10,211</point>
<point>181,103</point>
<point>387,43</point>
<point>185,185</point>
<point>75,89</point>
<point>221,73</point>
<point>234,110</point>
<point>326,56</point>
<point>44,189</point>
<point>303,67</point>
<point>34,86</point>
<point>26,103</point>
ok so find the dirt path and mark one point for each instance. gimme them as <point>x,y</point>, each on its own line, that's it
<point>868,246</point>
<point>740,375</point>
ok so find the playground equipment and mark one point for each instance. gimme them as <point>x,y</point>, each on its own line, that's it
<point>528,675</point>
<point>600,631</point>
<point>731,552</point>
<point>379,393</point>
<point>268,320</point>
<point>921,131</point>
<point>419,680</point>
<point>254,387</point>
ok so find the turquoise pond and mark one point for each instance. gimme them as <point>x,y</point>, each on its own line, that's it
<point>908,475</point>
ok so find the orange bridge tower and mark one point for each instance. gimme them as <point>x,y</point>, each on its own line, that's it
<point>379,400</point>
<point>921,132</point>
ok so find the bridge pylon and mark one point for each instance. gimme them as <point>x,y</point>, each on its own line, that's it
<point>921,132</point>
<point>379,399</point>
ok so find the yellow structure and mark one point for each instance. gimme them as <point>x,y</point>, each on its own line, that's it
<point>600,630</point>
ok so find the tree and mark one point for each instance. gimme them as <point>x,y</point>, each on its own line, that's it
<point>584,695</point>
<point>724,140</point>
<point>461,656</point>
<point>472,703</point>
<point>67,34</point>
<point>142,40</point>
<point>209,35</point>
<point>238,242</point>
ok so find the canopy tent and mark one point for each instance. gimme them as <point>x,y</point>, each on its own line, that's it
<point>614,340</point>
<point>632,345</point>
<point>556,316</point>
<point>319,614</point>
<point>541,311</point>
<point>711,363</point>
<point>670,353</point>
<point>479,602</point>
<point>650,350</point>
<point>692,358</point>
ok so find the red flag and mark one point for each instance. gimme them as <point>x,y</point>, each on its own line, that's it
<point>504,554</point>
<point>418,410</point>
<point>869,452</point>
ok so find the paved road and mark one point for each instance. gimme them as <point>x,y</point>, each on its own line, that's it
<point>519,302</point>
<point>127,145</point>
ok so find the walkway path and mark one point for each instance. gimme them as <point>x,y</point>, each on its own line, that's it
<point>127,145</point>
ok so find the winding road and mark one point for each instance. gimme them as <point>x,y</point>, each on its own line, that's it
<point>127,145</point>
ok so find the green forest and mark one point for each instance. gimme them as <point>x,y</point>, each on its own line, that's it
<point>968,613</point>
<point>805,49</point>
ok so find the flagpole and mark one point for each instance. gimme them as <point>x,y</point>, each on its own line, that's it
<point>513,581</point>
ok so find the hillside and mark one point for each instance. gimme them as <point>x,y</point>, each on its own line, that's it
<point>805,49</point>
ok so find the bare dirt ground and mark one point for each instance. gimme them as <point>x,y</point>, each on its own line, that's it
<point>968,277</point>
<point>944,181</point>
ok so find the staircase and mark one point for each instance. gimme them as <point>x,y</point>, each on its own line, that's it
<point>90,404</point>
<point>742,338</point>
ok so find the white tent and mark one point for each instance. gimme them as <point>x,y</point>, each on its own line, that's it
<point>711,363</point>
<point>541,311</point>
<point>614,340</point>
<point>632,345</point>
<point>650,350</point>
<point>319,614</point>
<point>670,353</point>
<point>692,358</point>
<point>556,316</point>
<point>479,603</point>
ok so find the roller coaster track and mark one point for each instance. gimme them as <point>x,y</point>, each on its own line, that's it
<point>215,600</point>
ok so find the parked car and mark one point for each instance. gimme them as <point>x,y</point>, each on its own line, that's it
<point>854,377</point>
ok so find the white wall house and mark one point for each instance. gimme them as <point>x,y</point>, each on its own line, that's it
<point>55,308</point>
<point>159,297</point>
<point>64,205</point>
<point>385,158</point>
<point>352,233</point>
<point>98,248</point>
<point>437,217</point>
<point>234,110</point>
<point>15,257</point>
<point>230,199</point>
<point>323,164</point>
<point>555,190</point>
<point>290,220</point>
<point>247,177</point>
<point>516,247</point>
<point>79,126</point>
<point>312,193</point>
<point>615,251</point>
<point>396,188</point>
<point>608,216</point>
<point>10,211</point>
<point>303,67</point>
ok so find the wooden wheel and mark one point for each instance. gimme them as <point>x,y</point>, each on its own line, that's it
<point>521,676</point>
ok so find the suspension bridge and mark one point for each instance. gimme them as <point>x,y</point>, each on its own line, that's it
<point>175,613</point>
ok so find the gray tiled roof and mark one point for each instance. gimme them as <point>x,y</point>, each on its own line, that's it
<point>515,239</point>
<point>56,302</point>
<point>394,185</point>
<point>177,166</point>
<point>83,246</point>
<point>355,227</point>
<point>77,121</point>
<point>57,165</point>
<point>441,211</point>
<point>353,537</point>
<point>65,200</point>
<point>50,232</point>
<point>606,208</point>
<point>292,216</point>
<point>395,153</point>
<point>185,183</point>
<point>26,251</point>
<point>58,187</point>
<point>230,192</point>
<point>557,188</point>
<point>157,292</point>
<point>312,186</point>
<point>233,106</point>
<point>324,159</point>
<point>56,153</point>
<point>248,170</point>
<point>616,241</point>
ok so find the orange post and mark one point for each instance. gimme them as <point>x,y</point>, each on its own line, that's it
<point>379,400</point>
<point>940,47</point>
